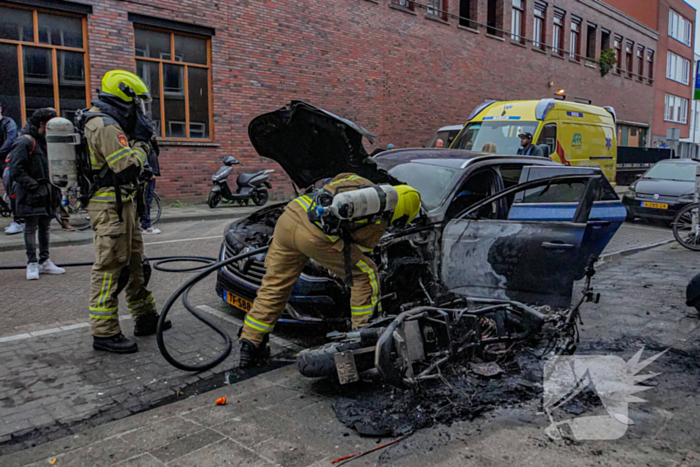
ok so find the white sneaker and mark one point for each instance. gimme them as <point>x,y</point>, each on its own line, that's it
<point>47,267</point>
<point>14,228</point>
<point>151,230</point>
<point>32,271</point>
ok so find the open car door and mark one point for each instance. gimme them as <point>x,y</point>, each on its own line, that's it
<point>485,254</point>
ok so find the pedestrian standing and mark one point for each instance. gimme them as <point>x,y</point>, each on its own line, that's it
<point>8,134</point>
<point>149,189</point>
<point>36,198</point>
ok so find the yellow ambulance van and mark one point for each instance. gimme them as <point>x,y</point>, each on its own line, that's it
<point>568,132</point>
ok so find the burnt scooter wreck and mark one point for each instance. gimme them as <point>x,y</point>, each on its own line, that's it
<point>412,347</point>
<point>249,185</point>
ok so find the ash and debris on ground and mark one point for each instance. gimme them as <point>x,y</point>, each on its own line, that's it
<point>374,408</point>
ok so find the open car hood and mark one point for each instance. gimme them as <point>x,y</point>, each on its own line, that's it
<point>312,144</point>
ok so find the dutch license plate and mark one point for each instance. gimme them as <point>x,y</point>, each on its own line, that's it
<point>345,365</point>
<point>649,204</point>
<point>239,302</point>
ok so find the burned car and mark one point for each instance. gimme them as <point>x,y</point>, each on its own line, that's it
<point>525,242</point>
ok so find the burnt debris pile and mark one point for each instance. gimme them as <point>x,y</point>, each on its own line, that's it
<point>465,390</point>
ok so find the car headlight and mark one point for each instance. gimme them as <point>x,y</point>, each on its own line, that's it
<point>689,198</point>
<point>630,193</point>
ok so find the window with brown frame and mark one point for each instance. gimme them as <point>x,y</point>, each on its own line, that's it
<point>176,67</point>
<point>650,66</point>
<point>44,62</point>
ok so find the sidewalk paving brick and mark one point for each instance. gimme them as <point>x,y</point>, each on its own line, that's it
<point>54,384</point>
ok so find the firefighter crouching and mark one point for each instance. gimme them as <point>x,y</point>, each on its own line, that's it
<point>296,239</point>
<point>118,136</point>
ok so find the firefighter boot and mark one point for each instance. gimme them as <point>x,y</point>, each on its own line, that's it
<point>147,325</point>
<point>117,343</point>
<point>250,355</point>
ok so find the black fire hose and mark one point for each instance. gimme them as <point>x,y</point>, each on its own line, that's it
<point>209,265</point>
<point>184,291</point>
<point>158,260</point>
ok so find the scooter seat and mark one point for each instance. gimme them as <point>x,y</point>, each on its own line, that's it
<point>244,179</point>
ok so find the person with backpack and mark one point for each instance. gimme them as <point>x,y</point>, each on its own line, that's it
<point>118,135</point>
<point>149,189</point>
<point>8,134</point>
<point>36,198</point>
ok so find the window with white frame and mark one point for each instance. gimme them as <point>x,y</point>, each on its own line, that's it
<point>680,28</point>
<point>677,68</point>
<point>676,109</point>
<point>558,32</point>
<point>575,42</point>
<point>516,26</point>
<point>538,29</point>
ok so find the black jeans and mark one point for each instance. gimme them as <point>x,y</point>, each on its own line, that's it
<point>32,223</point>
<point>148,199</point>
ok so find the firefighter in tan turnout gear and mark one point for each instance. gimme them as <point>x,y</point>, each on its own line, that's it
<point>119,138</point>
<point>297,239</point>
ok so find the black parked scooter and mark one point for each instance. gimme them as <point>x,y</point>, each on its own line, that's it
<point>250,185</point>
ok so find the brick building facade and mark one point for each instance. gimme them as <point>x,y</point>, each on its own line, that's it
<point>399,68</point>
<point>674,20</point>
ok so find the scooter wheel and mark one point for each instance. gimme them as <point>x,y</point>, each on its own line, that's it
<point>260,197</point>
<point>213,199</point>
<point>320,361</point>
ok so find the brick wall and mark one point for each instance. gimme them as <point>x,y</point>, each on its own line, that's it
<point>399,74</point>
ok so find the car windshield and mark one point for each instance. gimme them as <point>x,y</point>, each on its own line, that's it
<point>679,172</point>
<point>432,182</point>
<point>502,133</point>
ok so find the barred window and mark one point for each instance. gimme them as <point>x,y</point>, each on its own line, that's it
<point>43,56</point>
<point>176,67</point>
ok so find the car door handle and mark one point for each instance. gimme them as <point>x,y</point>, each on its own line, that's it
<point>558,246</point>
<point>598,224</point>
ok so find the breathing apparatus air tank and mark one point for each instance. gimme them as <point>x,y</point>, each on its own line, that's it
<point>61,143</point>
<point>364,202</point>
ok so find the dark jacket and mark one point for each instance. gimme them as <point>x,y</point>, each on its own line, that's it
<point>29,172</point>
<point>8,134</point>
<point>153,160</point>
<point>531,150</point>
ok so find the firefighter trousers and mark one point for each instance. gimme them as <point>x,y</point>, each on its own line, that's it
<point>291,248</point>
<point>118,264</point>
